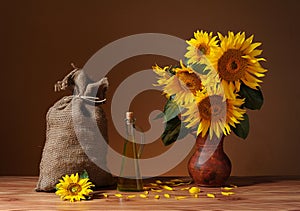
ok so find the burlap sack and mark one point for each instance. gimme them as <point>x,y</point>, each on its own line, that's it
<point>72,142</point>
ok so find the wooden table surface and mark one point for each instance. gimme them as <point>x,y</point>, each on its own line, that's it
<point>251,193</point>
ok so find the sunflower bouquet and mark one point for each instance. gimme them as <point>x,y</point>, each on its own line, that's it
<point>209,92</point>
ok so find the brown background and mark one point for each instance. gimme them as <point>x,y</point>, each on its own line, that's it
<point>39,40</point>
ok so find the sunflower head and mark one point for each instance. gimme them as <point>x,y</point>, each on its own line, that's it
<point>189,78</point>
<point>236,62</point>
<point>201,48</point>
<point>212,107</point>
<point>73,188</point>
<point>213,113</point>
<point>181,82</point>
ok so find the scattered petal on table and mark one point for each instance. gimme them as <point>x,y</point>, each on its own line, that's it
<point>154,190</point>
<point>180,197</point>
<point>211,195</point>
<point>143,196</point>
<point>194,190</point>
<point>227,188</point>
<point>227,193</point>
<point>131,196</point>
<point>166,195</point>
<point>167,187</point>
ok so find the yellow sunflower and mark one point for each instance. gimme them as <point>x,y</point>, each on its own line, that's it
<point>236,62</point>
<point>213,113</point>
<point>73,188</point>
<point>183,84</point>
<point>201,48</point>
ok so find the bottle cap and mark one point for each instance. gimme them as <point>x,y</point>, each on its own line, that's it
<point>129,115</point>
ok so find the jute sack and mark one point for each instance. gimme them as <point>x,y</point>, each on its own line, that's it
<point>75,125</point>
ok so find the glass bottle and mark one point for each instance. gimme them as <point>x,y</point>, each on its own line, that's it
<point>130,178</point>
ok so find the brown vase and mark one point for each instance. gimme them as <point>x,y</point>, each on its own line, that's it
<point>209,165</point>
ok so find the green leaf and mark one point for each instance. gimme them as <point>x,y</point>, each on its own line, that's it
<point>172,131</point>
<point>242,129</point>
<point>253,98</point>
<point>171,110</point>
<point>84,175</point>
<point>183,132</point>
<point>159,116</point>
<point>185,61</point>
<point>199,68</point>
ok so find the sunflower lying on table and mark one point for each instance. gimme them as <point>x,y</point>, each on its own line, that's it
<point>213,86</point>
<point>74,187</point>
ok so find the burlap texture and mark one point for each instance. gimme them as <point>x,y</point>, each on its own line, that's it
<point>73,129</point>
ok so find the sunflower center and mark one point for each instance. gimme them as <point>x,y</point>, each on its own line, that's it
<point>74,188</point>
<point>231,65</point>
<point>191,80</point>
<point>202,49</point>
<point>212,108</point>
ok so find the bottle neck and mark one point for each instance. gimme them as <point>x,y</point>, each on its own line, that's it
<point>130,127</point>
<point>130,121</point>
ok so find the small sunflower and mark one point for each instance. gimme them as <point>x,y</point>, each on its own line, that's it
<point>183,84</point>
<point>213,113</point>
<point>236,62</point>
<point>201,48</point>
<point>73,188</point>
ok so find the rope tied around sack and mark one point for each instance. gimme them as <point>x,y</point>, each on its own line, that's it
<point>91,99</point>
